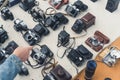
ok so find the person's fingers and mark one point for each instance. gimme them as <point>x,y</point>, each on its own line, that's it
<point>30,47</point>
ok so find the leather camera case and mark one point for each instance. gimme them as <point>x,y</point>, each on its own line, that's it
<point>100,38</point>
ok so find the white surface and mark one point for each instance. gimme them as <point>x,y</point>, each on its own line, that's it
<point>106,22</point>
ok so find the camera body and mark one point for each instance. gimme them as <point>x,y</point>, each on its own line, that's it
<point>6,14</point>
<point>84,23</point>
<point>56,20</point>
<point>13,2</point>
<point>63,38</point>
<point>37,14</point>
<point>34,35</point>
<point>8,50</point>
<point>3,35</point>
<point>41,55</point>
<point>98,41</point>
<point>58,3</point>
<point>27,4</point>
<point>58,73</point>
<point>112,5</point>
<point>80,55</point>
<point>19,25</point>
<point>75,9</point>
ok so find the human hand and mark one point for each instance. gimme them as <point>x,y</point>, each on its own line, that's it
<point>23,52</point>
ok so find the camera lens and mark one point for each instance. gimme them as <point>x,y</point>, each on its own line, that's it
<point>29,37</point>
<point>90,69</point>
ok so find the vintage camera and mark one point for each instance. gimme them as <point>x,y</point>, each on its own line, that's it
<point>41,55</point>
<point>98,41</point>
<point>24,71</point>
<point>112,5</point>
<point>84,23</point>
<point>34,35</point>
<point>28,4</point>
<point>3,35</point>
<point>58,3</point>
<point>8,50</point>
<point>94,0</point>
<point>6,14</point>
<point>63,38</point>
<point>58,73</point>
<point>19,25</point>
<point>80,55</point>
<point>56,20</point>
<point>110,58</point>
<point>75,9</point>
<point>37,14</point>
<point>13,2</point>
<point>90,69</point>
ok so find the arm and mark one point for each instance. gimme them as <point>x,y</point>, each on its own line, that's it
<point>12,65</point>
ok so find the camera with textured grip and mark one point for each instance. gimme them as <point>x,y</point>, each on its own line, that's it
<point>41,55</point>
<point>56,20</point>
<point>34,35</point>
<point>58,3</point>
<point>8,50</point>
<point>84,23</point>
<point>58,73</point>
<point>28,4</point>
<point>6,14</point>
<point>63,38</point>
<point>98,41</point>
<point>19,25</point>
<point>80,55</point>
<point>3,35</point>
<point>75,9</point>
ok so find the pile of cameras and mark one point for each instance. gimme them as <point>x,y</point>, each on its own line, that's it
<point>44,55</point>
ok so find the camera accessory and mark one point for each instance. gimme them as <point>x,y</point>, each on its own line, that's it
<point>75,9</point>
<point>84,23</point>
<point>88,19</point>
<point>112,5</point>
<point>37,14</point>
<point>24,71</point>
<point>90,69</point>
<point>6,14</point>
<point>8,50</point>
<point>98,41</point>
<point>13,2</point>
<point>94,0</point>
<point>58,73</point>
<point>28,4</point>
<point>58,3</point>
<point>3,35</point>
<point>63,38</point>
<point>80,55</point>
<point>41,55</point>
<point>19,25</point>
<point>56,20</point>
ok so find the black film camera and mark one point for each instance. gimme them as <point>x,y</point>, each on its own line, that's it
<point>28,4</point>
<point>75,9</point>
<point>37,14</point>
<point>56,20</point>
<point>34,35</point>
<point>80,55</point>
<point>8,50</point>
<point>58,73</point>
<point>63,38</point>
<point>3,35</point>
<point>19,25</point>
<point>78,26</point>
<point>41,55</point>
<point>6,14</point>
<point>13,2</point>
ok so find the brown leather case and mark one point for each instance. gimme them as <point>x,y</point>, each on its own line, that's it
<point>104,71</point>
<point>88,19</point>
<point>101,38</point>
